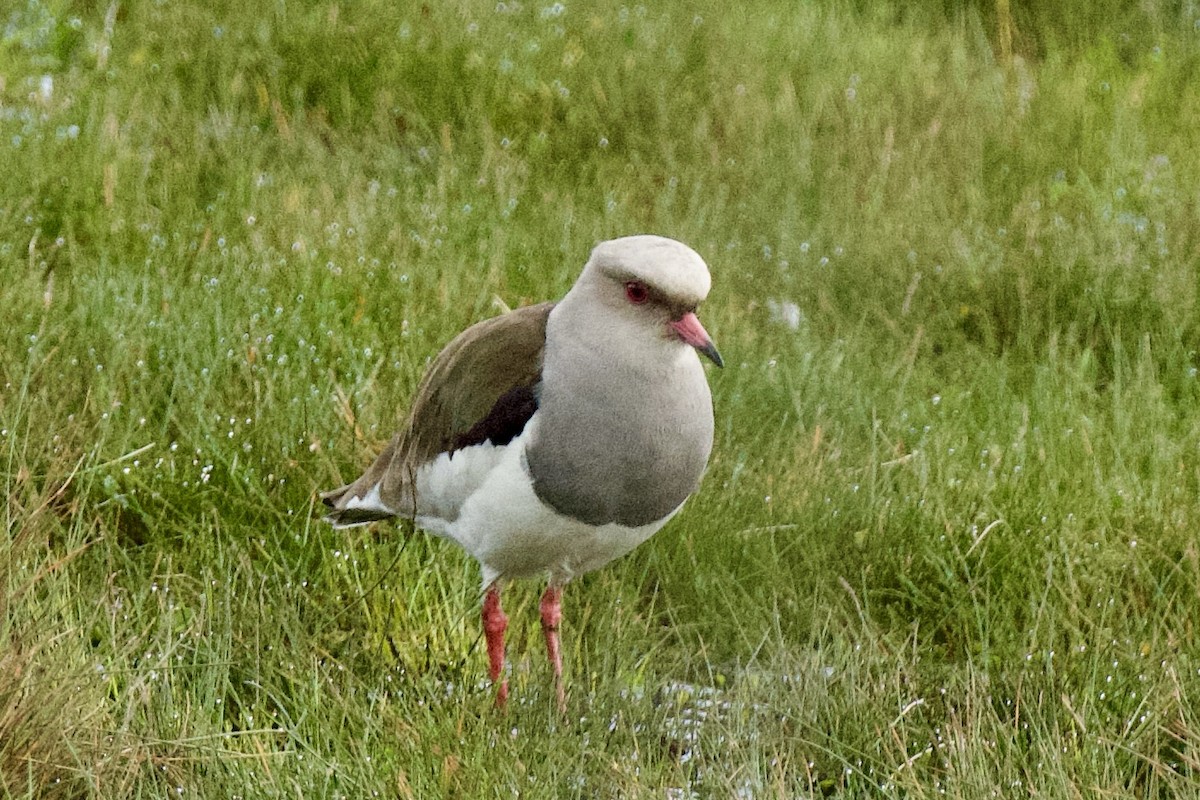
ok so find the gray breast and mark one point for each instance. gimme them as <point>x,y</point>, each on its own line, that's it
<point>624,448</point>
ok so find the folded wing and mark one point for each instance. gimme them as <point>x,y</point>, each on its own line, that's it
<point>481,388</point>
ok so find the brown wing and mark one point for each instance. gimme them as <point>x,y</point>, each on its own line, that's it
<point>479,387</point>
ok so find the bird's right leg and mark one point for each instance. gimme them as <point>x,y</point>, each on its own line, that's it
<point>551,609</point>
<point>494,625</point>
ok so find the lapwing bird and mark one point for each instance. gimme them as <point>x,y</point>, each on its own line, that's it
<point>555,438</point>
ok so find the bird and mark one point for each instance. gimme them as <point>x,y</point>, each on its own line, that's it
<point>554,438</point>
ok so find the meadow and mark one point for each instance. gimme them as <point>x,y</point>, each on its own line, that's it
<point>947,542</point>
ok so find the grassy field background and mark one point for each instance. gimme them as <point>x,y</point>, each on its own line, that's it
<point>947,544</point>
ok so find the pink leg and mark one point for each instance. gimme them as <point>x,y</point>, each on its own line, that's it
<point>494,625</point>
<point>551,608</point>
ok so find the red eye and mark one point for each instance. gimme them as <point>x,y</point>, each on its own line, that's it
<point>637,292</point>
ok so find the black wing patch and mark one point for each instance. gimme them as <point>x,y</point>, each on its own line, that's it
<point>503,423</point>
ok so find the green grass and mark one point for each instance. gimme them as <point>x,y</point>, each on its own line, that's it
<point>946,545</point>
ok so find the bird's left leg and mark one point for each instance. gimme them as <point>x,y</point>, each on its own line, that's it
<point>494,624</point>
<point>551,608</point>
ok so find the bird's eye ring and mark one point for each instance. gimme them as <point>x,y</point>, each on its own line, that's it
<point>636,292</point>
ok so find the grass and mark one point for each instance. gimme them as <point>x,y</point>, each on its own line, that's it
<point>946,544</point>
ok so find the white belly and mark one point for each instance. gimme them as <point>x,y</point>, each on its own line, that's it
<point>483,499</point>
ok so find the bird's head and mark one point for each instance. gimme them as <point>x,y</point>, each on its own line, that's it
<point>651,283</point>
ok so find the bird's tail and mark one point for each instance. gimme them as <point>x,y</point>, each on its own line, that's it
<point>347,509</point>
